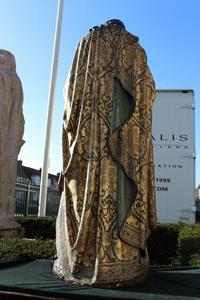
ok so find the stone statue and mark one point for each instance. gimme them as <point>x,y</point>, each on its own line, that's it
<point>107,205</point>
<point>11,132</point>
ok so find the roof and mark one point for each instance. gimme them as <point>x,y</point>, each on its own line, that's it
<point>27,172</point>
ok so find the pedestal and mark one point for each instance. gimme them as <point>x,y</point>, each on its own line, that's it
<point>13,230</point>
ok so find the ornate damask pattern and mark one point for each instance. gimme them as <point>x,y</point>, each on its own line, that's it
<point>95,251</point>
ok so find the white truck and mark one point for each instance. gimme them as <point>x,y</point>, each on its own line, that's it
<point>174,155</point>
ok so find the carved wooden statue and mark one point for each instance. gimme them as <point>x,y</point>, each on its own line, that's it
<point>11,132</point>
<point>108,204</point>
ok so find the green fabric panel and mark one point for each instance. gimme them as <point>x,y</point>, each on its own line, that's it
<point>35,277</point>
<point>123,107</point>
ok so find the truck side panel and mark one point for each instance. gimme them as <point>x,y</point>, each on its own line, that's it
<point>174,155</point>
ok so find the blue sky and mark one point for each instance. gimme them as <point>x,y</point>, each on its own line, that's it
<point>168,30</point>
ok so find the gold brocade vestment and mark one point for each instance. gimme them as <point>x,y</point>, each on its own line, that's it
<point>102,226</point>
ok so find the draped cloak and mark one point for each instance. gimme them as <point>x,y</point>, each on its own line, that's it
<point>108,201</point>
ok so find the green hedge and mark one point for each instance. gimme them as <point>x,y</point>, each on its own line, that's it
<point>163,244</point>
<point>42,227</point>
<point>189,245</point>
<point>10,249</point>
<point>168,244</point>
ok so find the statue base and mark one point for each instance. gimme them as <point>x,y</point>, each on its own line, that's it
<point>11,231</point>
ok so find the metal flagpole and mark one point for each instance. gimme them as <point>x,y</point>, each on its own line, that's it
<point>54,67</point>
